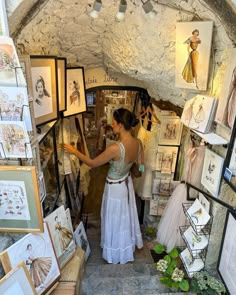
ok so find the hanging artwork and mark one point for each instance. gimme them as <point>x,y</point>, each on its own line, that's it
<point>17,281</point>
<point>81,239</point>
<point>19,200</point>
<point>44,80</point>
<point>166,159</point>
<point>14,140</point>
<point>229,170</point>
<point>211,172</point>
<point>61,75</point>
<point>162,202</point>
<point>14,104</point>
<point>153,207</point>
<point>10,70</point>
<point>227,258</point>
<point>75,101</point>
<point>4,30</point>
<point>26,69</point>
<point>226,110</point>
<point>62,236</point>
<point>36,250</point>
<point>193,48</point>
<point>199,113</point>
<point>171,130</point>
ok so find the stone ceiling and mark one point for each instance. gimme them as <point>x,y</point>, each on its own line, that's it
<point>139,47</point>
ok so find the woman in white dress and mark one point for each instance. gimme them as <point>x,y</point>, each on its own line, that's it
<point>120,225</point>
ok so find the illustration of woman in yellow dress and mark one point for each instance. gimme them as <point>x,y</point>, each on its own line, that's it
<point>65,235</point>
<point>39,267</point>
<point>190,69</point>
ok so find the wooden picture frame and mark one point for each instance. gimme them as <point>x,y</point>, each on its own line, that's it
<point>17,281</point>
<point>211,172</point>
<point>26,69</point>
<point>61,78</point>
<point>44,80</point>
<point>170,131</point>
<point>75,100</point>
<point>229,169</point>
<point>37,251</point>
<point>20,209</point>
<point>226,265</point>
<point>4,29</point>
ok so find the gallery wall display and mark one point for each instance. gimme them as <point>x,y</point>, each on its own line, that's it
<point>10,72</point>
<point>20,209</point>
<point>17,281</point>
<point>166,159</point>
<point>226,110</point>
<point>227,258</point>
<point>37,251</point>
<point>4,30</point>
<point>61,77</point>
<point>229,170</point>
<point>199,113</point>
<point>26,69</point>
<point>170,131</point>
<point>75,101</point>
<point>211,172</point>
<point>14,104</point>
<point>14,140</point>
<point>44,80</point>
<point>193,48</point>
<point>62,236</point>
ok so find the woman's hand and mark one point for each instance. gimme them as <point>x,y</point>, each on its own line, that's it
<point>68,148</point>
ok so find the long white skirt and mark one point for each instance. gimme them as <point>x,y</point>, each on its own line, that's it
<point>120,225</point>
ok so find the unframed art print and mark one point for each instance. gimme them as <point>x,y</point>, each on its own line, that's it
<point>211,172</point>
<point>17,281</point>
<point>193,48</point>
<point>226,110</point>
<point>14,140</point>
<point>75,101</point>
<point>14,104</point>
<point>81,239</point>
<point>10,70</point>
<point>171,130</point>
<point>36,250</point>
<point>61,76</point>
<point>4,30</point>
<point>44,79</point>
<point>227,258</point>
<point>192,265</point>
<point>20,209</point>
<point>166,159</point>
<point>62,236</point>
<point>197,242</point>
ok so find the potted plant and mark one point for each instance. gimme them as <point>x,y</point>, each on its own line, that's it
<point>150,232</point>
<point>203,283</point>
<point>169,265</point>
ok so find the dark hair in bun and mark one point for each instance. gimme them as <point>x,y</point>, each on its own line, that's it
<point>126,118</point>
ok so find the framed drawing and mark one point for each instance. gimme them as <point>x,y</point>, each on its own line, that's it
<point>20,209</point>
<point>44,80</point>
<point>193,49</point>
<point>37,251</point>
<point>14,140</point>
<point>162,202</point>
<point>199,113</point>
<point>14,104</point>
<point>166,159</point>
<point>211,172</point>
<point>81,239</point>
<point>62,236</point>
<point>226,265</point>
<point>229,170</point>
<point>171,130</point>
<point>26,69</point>
<point>226,110</point>
<point>10,72</point>
<point>61,77</point>
<point>153,207</point>
<point>75,101</point>
<point>4,30</point>
<point>17,281</point>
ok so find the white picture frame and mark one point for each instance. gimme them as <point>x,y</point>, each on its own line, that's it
<point>170,131</point>
<point>211,172</point>
<point>164,155</point>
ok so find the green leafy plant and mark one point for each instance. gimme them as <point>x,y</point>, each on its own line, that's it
<point>150,232</point>
<point>204,284</point>
<point>173,276</point>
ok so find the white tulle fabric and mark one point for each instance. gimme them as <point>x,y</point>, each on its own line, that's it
<point>173,216</point>
<point>120,225</point>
